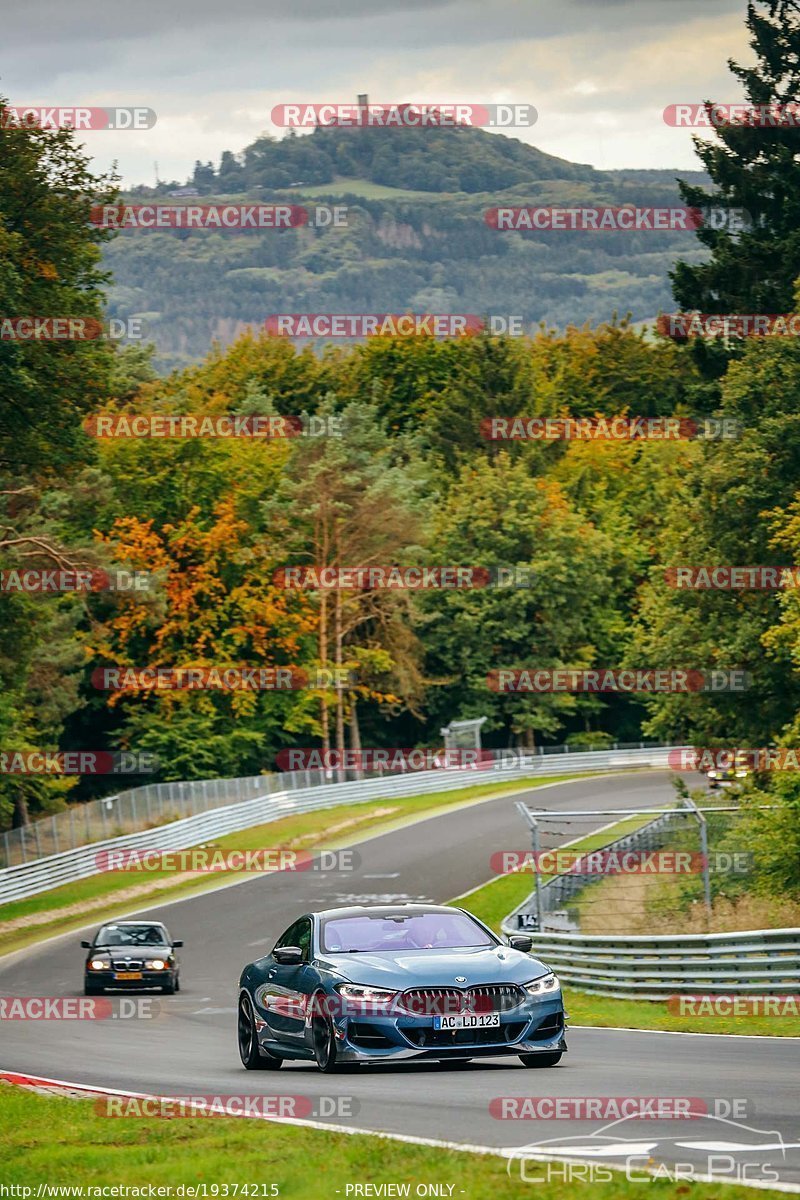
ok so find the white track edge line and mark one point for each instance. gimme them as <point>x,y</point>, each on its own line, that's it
<point>751,1037</point>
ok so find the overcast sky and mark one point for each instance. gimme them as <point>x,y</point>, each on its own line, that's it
<point>599,72</point>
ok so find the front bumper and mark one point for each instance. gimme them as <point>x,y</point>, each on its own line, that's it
<point>149,979</point>
<point>534,1026</point>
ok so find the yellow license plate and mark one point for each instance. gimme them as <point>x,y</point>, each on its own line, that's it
<point>127,974</point>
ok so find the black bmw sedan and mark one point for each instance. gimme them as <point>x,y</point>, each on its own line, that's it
<point>132,955</point>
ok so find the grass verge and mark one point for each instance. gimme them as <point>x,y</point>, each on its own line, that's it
<point>85,1149</point>
<point>587,1009</point>
<point>112,893</point>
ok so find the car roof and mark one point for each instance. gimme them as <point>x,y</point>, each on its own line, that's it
<point>119,924</point>
<point>383,910</point>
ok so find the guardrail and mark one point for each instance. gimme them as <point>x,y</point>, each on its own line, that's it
<point>755,962</point>
<point>30,878</point>
<point>155,804</point>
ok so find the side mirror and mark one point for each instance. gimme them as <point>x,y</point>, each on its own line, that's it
<point>86,945</point>
<point>288,955</point>
<point>177,942</point>
<point>520,941</point>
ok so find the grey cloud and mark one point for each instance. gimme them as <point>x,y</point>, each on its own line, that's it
<point>199,65</point>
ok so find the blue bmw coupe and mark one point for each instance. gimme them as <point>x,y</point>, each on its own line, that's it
<point>395,983</point>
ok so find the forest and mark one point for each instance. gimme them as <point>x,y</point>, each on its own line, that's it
<point>414,238</point>
<point>378,454</point>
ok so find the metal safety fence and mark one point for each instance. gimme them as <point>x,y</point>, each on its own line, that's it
<point>658,966</point>
<point>181,815</point>
<point>553,894</point>
<point>757,962</point>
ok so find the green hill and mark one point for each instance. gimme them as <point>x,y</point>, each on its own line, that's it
<point>416,238</point>
<point>429,159</point>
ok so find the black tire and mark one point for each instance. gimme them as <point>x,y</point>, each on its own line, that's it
<point>541,1060</point>
<point>253,1058</point>
<point>177,983</point>
<point>324,1043</point>
<point>169,988</point>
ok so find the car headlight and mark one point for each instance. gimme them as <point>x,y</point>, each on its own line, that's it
<point>155,964</point>
<point>97,964</point>
<point>357,991</point>
<point>357,999</point>
<point>545,983</point>
<point>712,774</point>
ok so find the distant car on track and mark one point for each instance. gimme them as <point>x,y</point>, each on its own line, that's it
<point>727,773</point>
<point>131,955</point>
<point>389,983</point>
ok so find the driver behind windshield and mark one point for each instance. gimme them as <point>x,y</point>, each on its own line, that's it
<point>423,931</point>
<point>130,935</point>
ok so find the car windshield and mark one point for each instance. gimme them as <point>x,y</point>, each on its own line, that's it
<point>417,931</point>
<point>131,935</point>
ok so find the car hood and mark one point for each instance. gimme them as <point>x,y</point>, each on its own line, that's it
<point>436,968</point>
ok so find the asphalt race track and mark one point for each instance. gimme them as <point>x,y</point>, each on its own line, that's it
<point>190,1048</point>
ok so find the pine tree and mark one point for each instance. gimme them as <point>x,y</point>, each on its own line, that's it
<point>757,169</point>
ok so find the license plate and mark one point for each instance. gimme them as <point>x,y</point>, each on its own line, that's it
<point>127,974</point>
<point>467,1021</point>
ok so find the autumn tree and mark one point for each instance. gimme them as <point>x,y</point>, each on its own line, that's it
<point>212,603</point>
<point>352,500</point>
